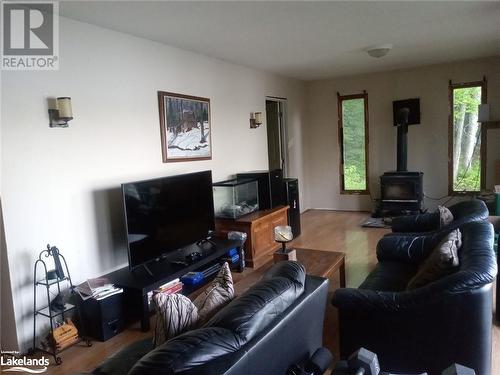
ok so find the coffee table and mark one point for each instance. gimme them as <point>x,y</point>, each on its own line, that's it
<point>316,262</point>
<point>327,264</point>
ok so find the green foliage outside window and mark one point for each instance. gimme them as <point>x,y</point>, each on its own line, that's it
<point>353,119</point>
<point>466,139</point>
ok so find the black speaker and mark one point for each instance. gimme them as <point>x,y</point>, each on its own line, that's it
<point>291,186</point>
<point>103,319</point>
<point>270,185</point>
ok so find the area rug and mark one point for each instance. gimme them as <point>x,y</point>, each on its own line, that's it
<point>374,222</point>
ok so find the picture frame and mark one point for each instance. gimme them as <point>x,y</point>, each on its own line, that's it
<point>185,127</point>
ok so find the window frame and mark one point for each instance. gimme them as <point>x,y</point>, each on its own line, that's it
<point>482,150</point>
<point>340,100</point>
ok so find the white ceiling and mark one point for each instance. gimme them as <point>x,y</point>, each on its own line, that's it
<point>308,40</point>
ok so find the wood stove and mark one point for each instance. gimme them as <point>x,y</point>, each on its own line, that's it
<point>401,191</point>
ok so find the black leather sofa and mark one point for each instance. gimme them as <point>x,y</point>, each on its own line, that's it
<point>428,328</point>
<point>276,323</point>
<point>471,210</point>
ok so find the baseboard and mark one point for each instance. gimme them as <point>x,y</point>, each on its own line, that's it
<point>336,210</point>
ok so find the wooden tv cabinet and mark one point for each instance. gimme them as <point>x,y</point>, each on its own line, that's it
<point>259,227</point>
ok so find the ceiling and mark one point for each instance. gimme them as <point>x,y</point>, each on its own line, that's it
<point>308,40</point>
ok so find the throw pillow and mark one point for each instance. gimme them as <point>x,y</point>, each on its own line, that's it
<point>445,216</point>
<point>175,314</point>
<point>216,296</point>
<point>441,262</point>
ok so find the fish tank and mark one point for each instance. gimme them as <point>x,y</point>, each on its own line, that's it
<point>235,198</point>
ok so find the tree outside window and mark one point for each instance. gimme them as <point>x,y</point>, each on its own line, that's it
<point>353,136</point>
<point>465,161</point>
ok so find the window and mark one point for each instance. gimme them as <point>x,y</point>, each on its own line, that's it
<point>465,169</point>
<point>353,139</point>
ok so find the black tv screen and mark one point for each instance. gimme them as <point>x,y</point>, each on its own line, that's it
<point>166,214</point>
<point>413,106</point>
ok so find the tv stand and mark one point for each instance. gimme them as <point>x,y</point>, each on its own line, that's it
<point>148,270</point>
<point>206,240</point>
<point>137,285</point>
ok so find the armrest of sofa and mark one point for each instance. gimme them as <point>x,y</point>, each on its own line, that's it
<point>188,351</point>
<point>416,223</point>
<point>363,299</point>
<point>411,331</point>
<point>409,248</point>
<point>472,210</point>
<point>369,301</point>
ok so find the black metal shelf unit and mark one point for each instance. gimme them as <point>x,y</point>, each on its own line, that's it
<point>52,278</point>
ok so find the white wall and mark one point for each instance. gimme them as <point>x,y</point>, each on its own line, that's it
<point>427,142</point>
<point>492,157</point>
<point>61,186</point>
<point>8,335</point>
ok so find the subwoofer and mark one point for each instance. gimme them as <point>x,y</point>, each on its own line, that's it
<point>291,187</point>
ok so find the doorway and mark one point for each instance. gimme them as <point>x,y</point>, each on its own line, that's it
<point>276,134</point>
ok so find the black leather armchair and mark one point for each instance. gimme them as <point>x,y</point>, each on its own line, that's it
<point>463,212</point>
<point>428,328</point>
<point>276,323</point>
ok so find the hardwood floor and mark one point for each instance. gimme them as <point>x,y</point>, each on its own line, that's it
<point>321,230</point>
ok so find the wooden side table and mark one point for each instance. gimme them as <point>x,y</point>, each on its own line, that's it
<point>324,263</point>
<point>330,265</point>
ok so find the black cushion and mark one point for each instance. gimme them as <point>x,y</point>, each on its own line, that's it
<point>188,350</point>
<point>293,271</point>
<point>254,309</point>
<point>389,276</point>
<point>463,212</point>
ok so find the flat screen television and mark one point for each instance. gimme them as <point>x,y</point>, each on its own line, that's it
<point>413,108</point>
<point>165,214</point>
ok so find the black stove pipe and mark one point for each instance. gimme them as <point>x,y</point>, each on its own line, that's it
<point>402,152</point>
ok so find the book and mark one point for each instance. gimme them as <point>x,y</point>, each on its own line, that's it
<point>169,284</point>
<point>108,293</point>
<point>170,288</point>
<point>94,287</point>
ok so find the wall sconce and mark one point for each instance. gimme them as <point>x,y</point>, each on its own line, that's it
<point>60,115</point>
<point>255,119</point>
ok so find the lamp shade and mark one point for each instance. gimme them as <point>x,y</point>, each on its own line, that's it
<point>258,117</point>
<point>283,233</point>
<point>484,113</point>
<point>64,107</point>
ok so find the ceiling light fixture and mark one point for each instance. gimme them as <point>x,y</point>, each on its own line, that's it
<point>379,51</point>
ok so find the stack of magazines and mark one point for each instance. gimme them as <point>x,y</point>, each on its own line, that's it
<point>98,289</point>
<point>174,286</point>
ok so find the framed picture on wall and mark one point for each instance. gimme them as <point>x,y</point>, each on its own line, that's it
<point>185,127</point>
